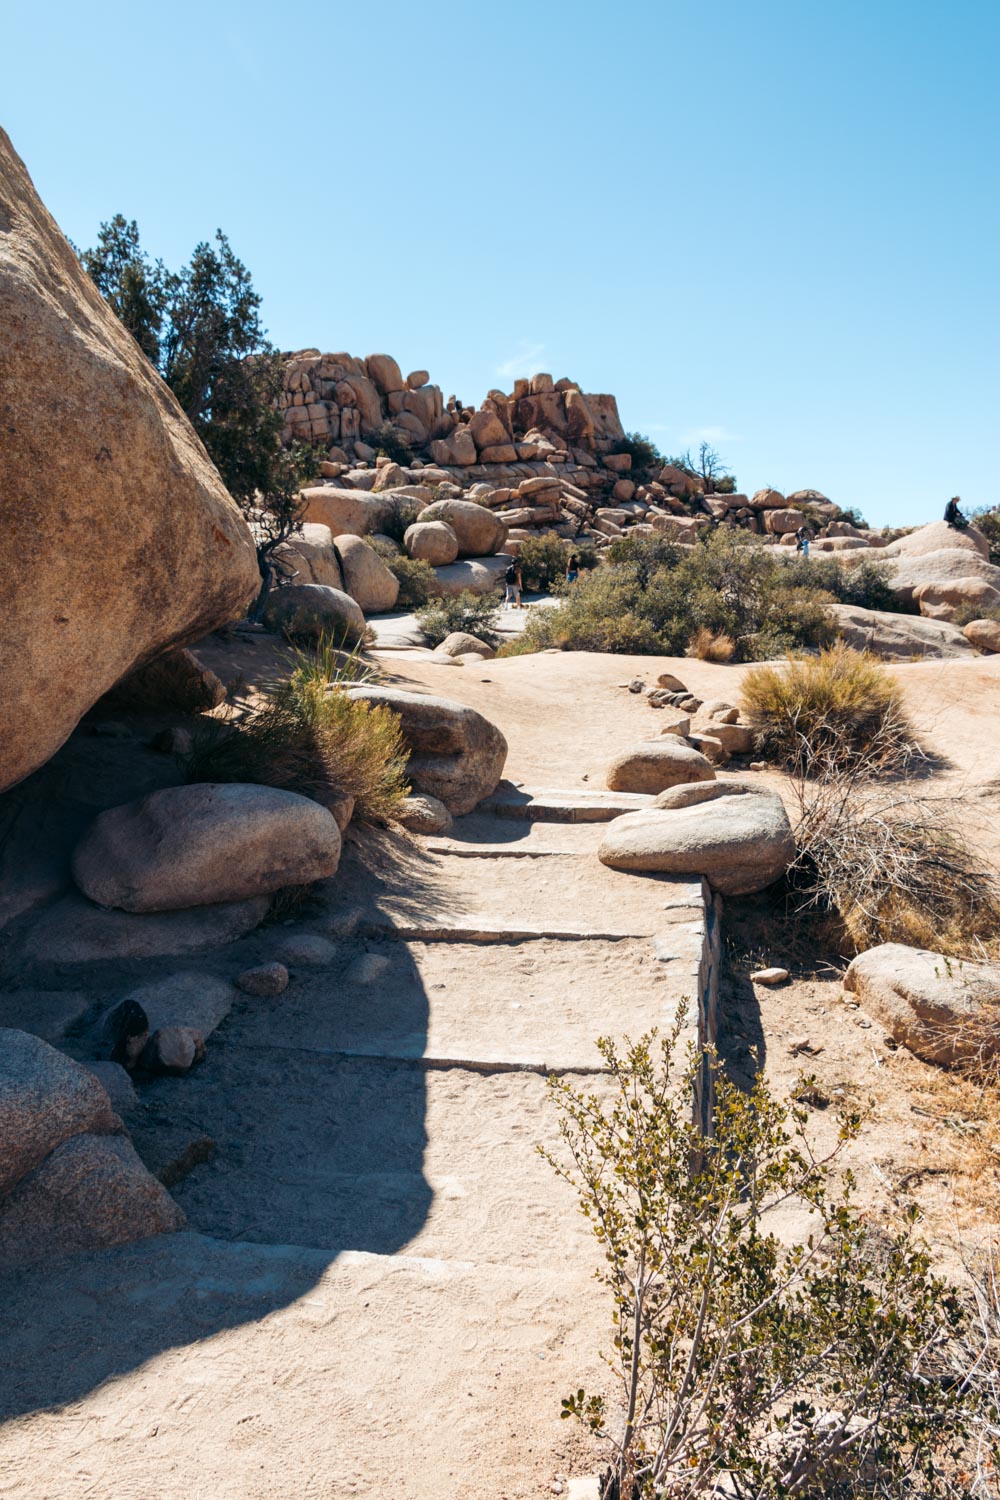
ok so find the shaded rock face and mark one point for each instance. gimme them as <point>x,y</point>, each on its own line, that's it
<point>943,1009</point>
<point>203,844</point>
<point>177,680</point>
<point>740,841</point>
<point>309,609</point>
<point>456,755</point>
<point>121,539</point>
<point>69,1180</point>
<point>474,575</point>
<point>309,557</point>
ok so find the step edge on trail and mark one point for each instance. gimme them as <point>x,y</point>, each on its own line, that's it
<point>492,932</point>
<point>554,805</point>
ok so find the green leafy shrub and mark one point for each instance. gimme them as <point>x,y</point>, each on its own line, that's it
<point>837,1367</point>
<point>651,597</point>
<point>401,514</point>
<point>842,704</point>
<point>476,614</point>
<point>414,575</point>
<point>390,443</point>
<point>864,583</point>
<point>543,560</point>
<point>987,521</point>
<point>308,736</point>
<point>647,460</point>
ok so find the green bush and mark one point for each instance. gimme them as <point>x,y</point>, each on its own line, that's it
<point>476,614</point>
<point>837,706</point>
<point>414,575</point>
<point>308,736</point>
<point>652,598</point>
<point>835,1368</point>
<point>402,513</point>
<point>987,521</point>
<point>543,560</point>
<point>865,583</point>
<point>391,443</point>
<point>647,460</point>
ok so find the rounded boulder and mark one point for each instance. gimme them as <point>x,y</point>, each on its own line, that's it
<point>654,765</point>
<point>740,842</point>
<point>366,577</point>
<point>203,844</point>
<point>434,542</point>
<point>479,532</point>
<point>309,609</point>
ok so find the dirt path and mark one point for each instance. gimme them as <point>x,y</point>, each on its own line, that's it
<point>384,1289</point>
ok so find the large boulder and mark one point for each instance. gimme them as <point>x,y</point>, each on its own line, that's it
<point>939,537</point>
<point>433,541</point>
<point>741,841</point>
<point>908,574</point>
<point>366,577</point>
<point>120,539</point>
<point>69,1180</point>
<point>480,533</point>
<point>309,609</point>
<point>385,372</point>
<point>943,1009</point>
<point>905,637</point>
<point>654,765</point>
<point>944,600</point>
<point>473,575</point>
<point>202,844</point>
<point>310,557</point>
<point>346,512</point>
<point>456,755</point>
<point>782,522</point>
<point>983,634</point>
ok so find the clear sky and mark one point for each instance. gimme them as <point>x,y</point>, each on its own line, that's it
<point>774,223</point>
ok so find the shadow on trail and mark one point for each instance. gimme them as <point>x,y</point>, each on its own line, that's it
<point>319,1150</point>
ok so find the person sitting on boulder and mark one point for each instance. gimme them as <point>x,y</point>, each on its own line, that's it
<point>512,580</point>
<point>953,515</point>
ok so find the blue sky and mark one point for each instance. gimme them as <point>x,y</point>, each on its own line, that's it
<point>775,224</point>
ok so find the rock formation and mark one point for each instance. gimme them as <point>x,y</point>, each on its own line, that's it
<point>120,537</point>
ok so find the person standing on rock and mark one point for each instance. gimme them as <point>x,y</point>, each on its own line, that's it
<point>802,541</point>
<point>953,515</point>
<point>512,580</point>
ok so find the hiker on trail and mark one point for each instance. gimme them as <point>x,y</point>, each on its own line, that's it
<point>512,581</point>
<point>953,515</point>
<point>573,568</point>
<point>802,541</point>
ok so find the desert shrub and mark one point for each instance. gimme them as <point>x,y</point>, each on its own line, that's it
<point>647,460</point>
<point>837,706</point>
<point>865,583</point>
<point>988,522</point>
<point>707,646</point>
<point>890,863</point>
<point>543,560</point>
<point>307,736</point>
<point>475,614</point>
<point>414,575</point>
<point>306,625</point>
<point>964,613</point>
<point>840,1366</point>
<point>652,597</point>
<point>390,443</point>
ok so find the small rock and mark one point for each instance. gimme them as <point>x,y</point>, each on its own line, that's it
<point>672,683</point>
<point>267,980</point>
<point>175,741</point>
<point>308,948</point>
<point>637,685</point>
<point>173,1050</point>
<point>769,976</point>
<point>423,814</point>
<point>367,968</point>
<point>758,765</point>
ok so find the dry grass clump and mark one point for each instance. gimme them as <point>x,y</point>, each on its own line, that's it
<point>892,864</point>
<point>711,645</point>
<point>841,704</point>
<point>308,736</point>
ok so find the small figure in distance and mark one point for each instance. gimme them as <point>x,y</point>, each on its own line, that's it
<point>572,568</point>
<point>953,515</point>
<point>802,541</point>
<point>513,585</point>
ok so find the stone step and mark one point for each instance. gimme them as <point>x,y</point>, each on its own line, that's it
<point>575,806</point>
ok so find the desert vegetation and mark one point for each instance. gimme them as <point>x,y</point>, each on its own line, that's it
<point>473,614</point>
